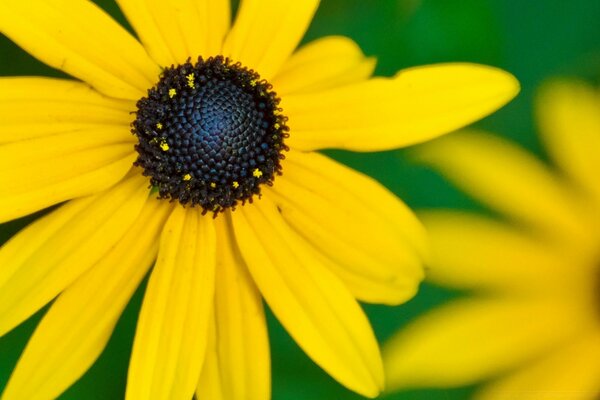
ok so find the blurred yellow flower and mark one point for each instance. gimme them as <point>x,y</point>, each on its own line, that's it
<point>532,321</point>
<point>217,115</point>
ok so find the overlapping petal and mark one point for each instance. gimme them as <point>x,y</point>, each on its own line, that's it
<point>210,384</point>
<point>571,373</point>
<point>509,180</point>
<point>266,32</point>
<point>385,113</point>
<point>570,126</point>
<point>476,252</point>
<point>365,234</point>
<point>470,340</point>
<point>79,323</point>
<point>172,333</point>
<point>47,256</point>
<point>35,107</point>
<point>44,171</point>
<point>238,365</point>
<point>311,302</point>
<point>77,37</point>
<point>175,30</point>
<point>323,64</point>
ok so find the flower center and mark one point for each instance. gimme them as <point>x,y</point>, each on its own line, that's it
<point>210,134</point>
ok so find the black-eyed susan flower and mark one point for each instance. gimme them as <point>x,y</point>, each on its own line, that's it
<point>219,183</point>
<point>531,325</point>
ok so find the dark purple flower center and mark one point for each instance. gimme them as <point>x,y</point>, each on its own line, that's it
<point>210,134</point>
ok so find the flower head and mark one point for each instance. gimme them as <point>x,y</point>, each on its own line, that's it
<point>219,184</point>
<point>532,323</point>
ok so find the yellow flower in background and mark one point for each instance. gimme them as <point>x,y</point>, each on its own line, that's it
<point>226,122</point>
<point>531,323</point>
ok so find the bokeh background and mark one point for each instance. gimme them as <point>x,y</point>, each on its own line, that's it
<point>534,39</point>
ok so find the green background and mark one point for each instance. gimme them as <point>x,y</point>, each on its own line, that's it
<point>533,39</point>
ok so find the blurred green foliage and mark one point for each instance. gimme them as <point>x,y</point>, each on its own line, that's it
<point>534,39</point>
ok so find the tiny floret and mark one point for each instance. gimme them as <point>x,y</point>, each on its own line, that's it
<point>187,177</point>
<point>164,145</point>
<point>257,173</point>
<point>190,80</point>
<point>172,92</point>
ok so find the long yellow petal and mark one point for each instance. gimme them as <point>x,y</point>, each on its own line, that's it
<point>44,171</point>
<point>77,37</point>
<point>172,332</point>
<point>173,30</point>
<point>365,234</point>
<point>470,340</point>
<point>210,384</point>
<point>240,368</point>
<point>570,127</point>
<point>417,105</point>
<point>266,32</point>
<point>323,64</point>
<point>313,305</point>
<point>508,179</point>
<point>476,252</point>
<point>48,255</point>
<point>35,107</point>
<point>569,373</point>
<point>79,323</point>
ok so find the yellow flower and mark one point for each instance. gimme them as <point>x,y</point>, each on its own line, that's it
<point>210,134</point>
<point>532,323</point>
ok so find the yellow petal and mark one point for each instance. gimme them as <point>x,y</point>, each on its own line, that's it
<point>323,64</point>
<point>570,125</point>
<point>266,32</point>
<point>173,30</point>
<point>79,323</point>
<point>470,340</point>
<point>569,373</point>
<point>48,255</point>
<point>417,105</point>
<point>312,304</point>
<point>34,107</point>
<point>171,336</point>
<point>332,207</point>
<point>210,385</point>
<point>508,179</point>
<point>240,366</point>
<point>475,252</point>
<point>43,171</point>
<point>77,37</point>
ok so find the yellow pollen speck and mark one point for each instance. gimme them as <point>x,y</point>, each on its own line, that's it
<point>235,185</point>
<point>187,177</point>
<point>257,173</point>
<point>213,185</point>
<point>276,126</point>
<point>172,92</point>
<point>190,79</point>
<point>159,126</point>
<point>253,82</point>
<point>164,145</point>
